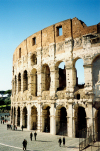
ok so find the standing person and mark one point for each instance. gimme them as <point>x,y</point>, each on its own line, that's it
<point>63,141</point>
<point>35,135</point>
<point>24,144</point>
<point>60,141</point>
<point>31,135</point>
<point>22,127</point>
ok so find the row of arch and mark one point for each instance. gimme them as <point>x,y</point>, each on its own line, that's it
<point>61,119</point>
<point>61,77</point>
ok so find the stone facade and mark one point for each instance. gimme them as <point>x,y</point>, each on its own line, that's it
<point>49,99</point>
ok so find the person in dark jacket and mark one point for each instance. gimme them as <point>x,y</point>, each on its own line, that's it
<point>24,144</point>
<point>31,135</point>
<point>63,141</point>
<point>35,134</point>
<point>22,127</point>
<point>60,141</point>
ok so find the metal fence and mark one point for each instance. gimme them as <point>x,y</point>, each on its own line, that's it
<point>87,137</point>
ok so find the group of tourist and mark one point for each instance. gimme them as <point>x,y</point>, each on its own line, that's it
<point>25,141</point>
<point>60,141</point>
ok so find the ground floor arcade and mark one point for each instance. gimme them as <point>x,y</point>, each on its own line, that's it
<point>56,118</point>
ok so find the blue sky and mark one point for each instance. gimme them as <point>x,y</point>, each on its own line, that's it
<point>21,18</point>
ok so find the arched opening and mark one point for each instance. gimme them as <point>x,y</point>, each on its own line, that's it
<point>24,119</point>
<point>80,122</point>
<point>61,121</point>
<point>46,78</point>
<point>98,124</point>
<point>96,70</point>
<point>25,81</point>
<point>33,118</point>
<point>19,82</point>
<point>34,82</point>
<point>79,69</point>
<point>15,84</point>
<point>34,59</point>
<point>46,119</point>
<point>18,116</point>
<point>60,76</point>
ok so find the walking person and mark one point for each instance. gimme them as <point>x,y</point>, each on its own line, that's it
<point>60,141</point>
<point>31,135</point>
<point>63,141</point>
<point>24,144</point>
<point>35,134</point>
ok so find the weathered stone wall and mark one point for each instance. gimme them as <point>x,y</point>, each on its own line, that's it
<point>41,54</point>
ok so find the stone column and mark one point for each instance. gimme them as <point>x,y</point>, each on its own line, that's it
<point>69,118</point>
<point>39,64</point>
<point>30,84</point>
<point>39,82</point>
<point>88,77</point>
<point>70,80</point>
<point>28,116</point>
<point>21,116</point>
<point>52,120</point>
<point>89,113</point>
<point>39,128</point>
<point>53,86</point>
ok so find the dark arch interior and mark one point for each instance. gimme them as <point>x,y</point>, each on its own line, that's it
<point>98,124</point>
<point>61,123</point>
<point>18,118</point>
<point>80,121</point>
<point>47,120</point>
<point>25,117</point>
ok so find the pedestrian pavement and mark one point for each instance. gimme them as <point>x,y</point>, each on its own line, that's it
<point>11,140</point>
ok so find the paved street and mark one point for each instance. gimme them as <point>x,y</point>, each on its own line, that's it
<point>11,140</point>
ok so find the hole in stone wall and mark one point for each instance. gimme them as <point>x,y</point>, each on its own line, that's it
<point>59,31</point>
<point>19,52</point>
<point>33,41</point>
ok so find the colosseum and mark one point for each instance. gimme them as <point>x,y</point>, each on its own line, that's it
<point>48,98</point>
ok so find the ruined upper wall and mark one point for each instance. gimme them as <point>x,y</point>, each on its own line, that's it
<point>71,28</point>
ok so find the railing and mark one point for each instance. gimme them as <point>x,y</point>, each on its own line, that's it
<point>87,137</point>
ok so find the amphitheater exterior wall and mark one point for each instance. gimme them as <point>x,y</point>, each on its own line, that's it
<point>36,96</point>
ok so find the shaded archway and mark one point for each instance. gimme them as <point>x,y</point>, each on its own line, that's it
<point>97,123</point>
<point>80,122</point>
<point>24,118</point>
<point>34,82</point>
<point>45,77</point>
<point>19,82</point>
<point>46,119</point>
<point>15,87</point>
<point>60,72</point>
<point>25,81</point>
<point>18,116</point>
<point>33,59</point>
<point>61,121</point>
<point>33,124</point>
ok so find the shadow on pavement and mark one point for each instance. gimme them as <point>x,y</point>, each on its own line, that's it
<point>42,141</point>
